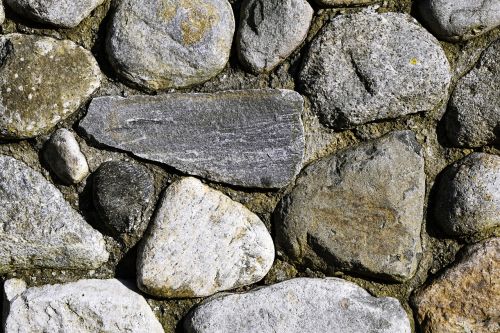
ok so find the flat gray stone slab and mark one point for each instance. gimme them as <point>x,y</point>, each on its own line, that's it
<point>252,138</point>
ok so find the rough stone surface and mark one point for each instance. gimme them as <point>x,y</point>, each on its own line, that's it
<point>83,306</point>
<point>465,298</point>
<point>62,152</point>
<point>270,31</point>
<point>124,198</point>
<point>300,305</point>
<point>359,210</point>
<point>161,44</point>
<point>368,66</point>
<point>250,138</point>
<point>66,13</point>
<point>474,110</point>
<point>336,3</point>
<point>42,81</point>
<point>202,242</point>
<point>459,19</point>
<point>467,199</point>
<point>38,228</point>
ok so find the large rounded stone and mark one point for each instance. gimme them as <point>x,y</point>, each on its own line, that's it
<point>368,66</point>
<point>161,44</point>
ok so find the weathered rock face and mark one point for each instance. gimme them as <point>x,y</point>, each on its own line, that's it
<point>465,297</point>
<point>42,81</point>
<point>250,138</point>
<point>459,19</point>
<point>124,198</point>
<point>161,44</point>
<point>370,66</point>
<point>300,305</point>
<point>270,31</point>
<point>202,242</point>
<point>359,210</point>
<point>38,228</point>
<point>474,108</point>
<point>83,306</point>
<point>468,196</point>
<point>65,13</point>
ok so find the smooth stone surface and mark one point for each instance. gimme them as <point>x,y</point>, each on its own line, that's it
<point>359,210</point>
<point>270,30</point>
<point>161,44</point>
<point>465,297</point>
<point>252,138</point>
<point>201,242</point>
<point>62,152</point>
<point>300,305</point>
<point>367,66</point>
<point>38,228</point>
<point>474,110</point>
<point>124,198</point>
<point>83,306</point>
<point>459,19</point>
<point>42,81</point>
<point>467,199</point>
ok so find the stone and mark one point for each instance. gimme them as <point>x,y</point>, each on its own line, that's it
<point>82,306</point>
<point>162,44</point>
<point>368,66</point>
<point>124,198</point>
<point>459,19</point>
<point>359,210</point>
<point>62,152</point>
<point>38,228</point>
<point>270,31</point>
<point>465,297</point>
<point>474,108</point>
<point>467,200</point>
<point>65,14</point>
<point>42,81</point>
<point>300,305</point>
<point>251,138</point>
<point>2,13</point>
<point>202,242</point>
<point>337,3</point>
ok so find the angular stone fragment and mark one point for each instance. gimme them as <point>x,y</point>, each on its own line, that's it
<point>467,199</point>
<point>60,13</point>
<point>161,44</point>
<point>83,306</point>
<point>473,114</point>
<point>42,81</point>
<point>300,305</point>
<point>270,30</point>
<point>459,19</point>
<point>124,198</point>
<point>202,242</point>
<point>368,66</point>
<point>251,138</point>
<point>38,228</point>
<point>359,210</point>
<point>465,298</point>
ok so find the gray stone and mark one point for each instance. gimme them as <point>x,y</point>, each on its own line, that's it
<point>201,242</point>
<point>459,19</point>
<point>42,81</point>
<point>251,138</point>
<point>359,210</point>
<point>2,13</point>
<point>124,198</point>
<point>83,306</point>
<point>300,305</point>
<point>62,153</point>
<point>161,44</point>
<point>338,3</point>
<point>467,199</point>
<point>38,228</point>
<point>270,30</point>
<point>473,114</point>
<point>367,66</point>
